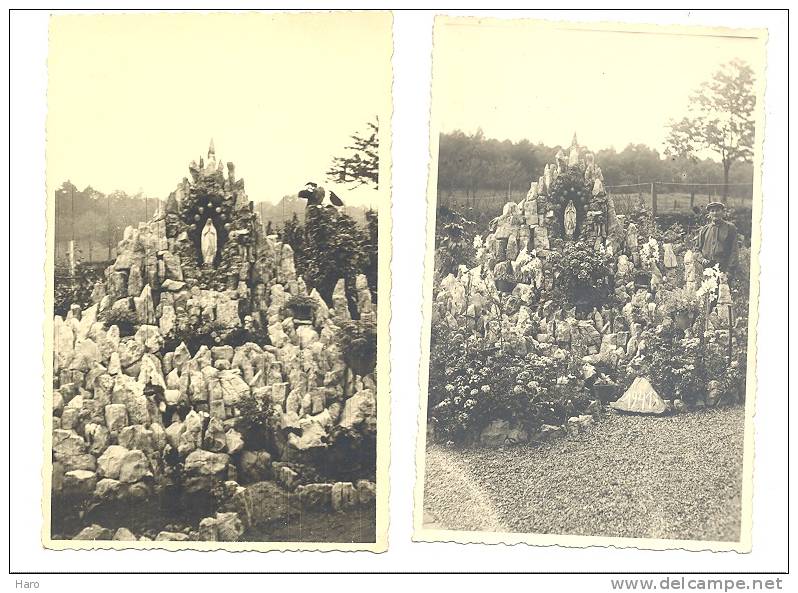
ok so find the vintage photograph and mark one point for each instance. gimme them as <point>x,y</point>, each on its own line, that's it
<point>217,359</point>
<point>589,350</point>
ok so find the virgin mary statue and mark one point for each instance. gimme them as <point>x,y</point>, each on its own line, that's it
<point>569,220</point>
<point>208,243</point>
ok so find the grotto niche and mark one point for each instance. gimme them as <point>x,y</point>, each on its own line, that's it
<point>208,208</point>
<point>569,193</point>
<point>213,224</point>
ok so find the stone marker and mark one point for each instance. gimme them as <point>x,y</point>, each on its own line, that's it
<point>640,398</point>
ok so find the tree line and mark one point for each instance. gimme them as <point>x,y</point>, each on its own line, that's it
<point>720,121</point>
<point>91,217</point>
<point>469,163</point>
<point>96,220</point>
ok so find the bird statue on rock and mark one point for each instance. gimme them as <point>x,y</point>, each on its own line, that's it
<point>316,195</point>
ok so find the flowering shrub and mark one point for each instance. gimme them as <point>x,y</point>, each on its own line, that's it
<point>470,388</point>
<point>680,301</point>
<point>649,253</point>
<point>479,247</point>
<point>710,283</point>
<point>671,362</point>
<point>681,367</point>
<point>581,274</point>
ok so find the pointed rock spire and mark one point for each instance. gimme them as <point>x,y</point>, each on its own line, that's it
<point>574,143</point>
<point>212,151</point>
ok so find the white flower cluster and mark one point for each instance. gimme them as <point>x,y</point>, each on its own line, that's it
<point>649,252</point>
<point>710,283</point>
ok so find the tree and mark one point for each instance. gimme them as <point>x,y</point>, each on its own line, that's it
<point>332,250</point>
<point>721,119</point>
<point>293,233</point>
<point>637,163</point>
<point>361,165</point>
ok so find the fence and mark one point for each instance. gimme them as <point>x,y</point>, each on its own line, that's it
<point>659,197</point>
<point>675,198</point>
<point>87,250</point>
<point>96,225</point>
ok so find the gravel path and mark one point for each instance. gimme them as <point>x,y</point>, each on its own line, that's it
<point>673,477</point>
<point>449,480</point>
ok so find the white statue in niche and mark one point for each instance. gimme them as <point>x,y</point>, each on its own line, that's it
<point>569,220</point>
<point>209,243</point>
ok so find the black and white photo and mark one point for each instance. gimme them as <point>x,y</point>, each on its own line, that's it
<point>219,375</point>
<point>591,288</point>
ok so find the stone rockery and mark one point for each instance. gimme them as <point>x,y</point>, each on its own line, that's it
<point>205,369</point>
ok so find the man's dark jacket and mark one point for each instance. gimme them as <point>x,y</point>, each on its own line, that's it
<point>718,244</point>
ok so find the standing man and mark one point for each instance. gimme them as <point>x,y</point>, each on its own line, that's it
<point>717,240</point>
<point>717,245</point>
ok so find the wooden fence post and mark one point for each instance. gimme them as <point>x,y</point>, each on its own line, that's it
<point>654,199</point>
<point>72,262</point>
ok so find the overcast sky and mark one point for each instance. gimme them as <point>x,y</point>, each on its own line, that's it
<point>133,99</point>
<point>611,88</point>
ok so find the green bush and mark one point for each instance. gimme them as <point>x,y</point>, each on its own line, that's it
<point>257,422</point>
